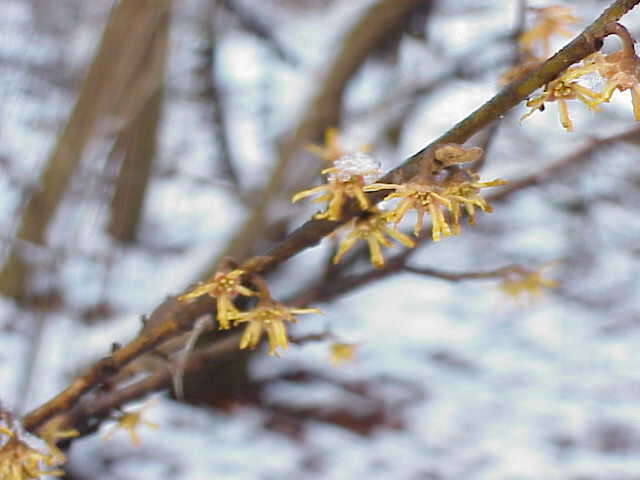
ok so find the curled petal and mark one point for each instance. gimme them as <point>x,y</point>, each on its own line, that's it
<point>200,290</point>
<point>251,335</point>
<point>308,192</point>
<point>345,246</point>
<point>375,253</point>
<point>375,187</point>
<point>400,237</point>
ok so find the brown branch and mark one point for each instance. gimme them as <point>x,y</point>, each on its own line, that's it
<point>103,403</point>
<point>184,315</point>
<point>177,319</point>
<point>313,231</point>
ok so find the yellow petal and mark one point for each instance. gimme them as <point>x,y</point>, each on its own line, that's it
<point>308,192</point>
<point>375,253</point>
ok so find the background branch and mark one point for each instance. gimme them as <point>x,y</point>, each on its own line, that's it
<point>111,91</point>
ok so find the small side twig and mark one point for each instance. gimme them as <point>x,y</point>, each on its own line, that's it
<point>459,277</point>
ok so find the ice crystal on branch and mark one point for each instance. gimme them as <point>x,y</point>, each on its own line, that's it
<point>358,164</point>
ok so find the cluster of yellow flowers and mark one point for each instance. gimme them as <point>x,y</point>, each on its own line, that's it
<point>432,191</point>
<point>20,461</point>
<point>619,70</point>
<point>267,315</point>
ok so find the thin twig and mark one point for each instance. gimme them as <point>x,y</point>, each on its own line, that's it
<point>458,277</point>
<point>211,93</point>
<point>253,24</point>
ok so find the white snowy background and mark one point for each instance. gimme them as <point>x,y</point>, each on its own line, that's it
<point>472,384</point>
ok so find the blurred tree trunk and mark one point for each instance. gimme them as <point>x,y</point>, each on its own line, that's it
<point>136,145</point>
<point>114,90</point>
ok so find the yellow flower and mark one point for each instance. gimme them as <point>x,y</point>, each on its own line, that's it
<point>335,193</point>
<point>549,21</point>
<point>423,198</point>
<point>129,421</point>
<point>224,287</point>
<point>345,179</point>
<point>435,198</point>
<point>330,151</point>
<point>372,228</point>
<point>340,353</point>
<point>466,193</point>
<point>51,433</point>
<point>18,461</point>
<point>519,281</point>
<point>566,88</point>
<point>268,315</point>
